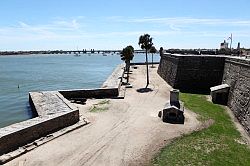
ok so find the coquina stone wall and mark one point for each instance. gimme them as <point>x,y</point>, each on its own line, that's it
<point>237,75</point>
<point>168,68</point>
<point>53,112</point>
<point>110,87</point>
<point>191,73</point>
<point>198,73</point>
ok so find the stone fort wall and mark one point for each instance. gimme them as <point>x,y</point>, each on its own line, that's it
<point>196,74</point>
<point>237,75</point>
<point>191,73</point>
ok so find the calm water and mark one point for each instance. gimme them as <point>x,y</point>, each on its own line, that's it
<point>49,72</point>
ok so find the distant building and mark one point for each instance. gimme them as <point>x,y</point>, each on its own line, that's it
<point>238,47</point>
<point>224,45</point>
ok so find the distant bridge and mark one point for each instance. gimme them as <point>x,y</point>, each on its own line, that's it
<point>84,51</point>
<point>90,51</point>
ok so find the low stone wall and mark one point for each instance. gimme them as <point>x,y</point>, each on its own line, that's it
<point>144,63</point>
<point>237,76</point>
<point>90,93</point>
<point>110,87</point>
<point>191,73</point>
<point>54,113</point>
<point>115,79</point>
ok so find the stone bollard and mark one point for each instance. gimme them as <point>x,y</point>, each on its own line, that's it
<point>174,98</point>
<point>172,111</point>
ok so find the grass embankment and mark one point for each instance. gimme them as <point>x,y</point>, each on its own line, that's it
<point>215,145</point>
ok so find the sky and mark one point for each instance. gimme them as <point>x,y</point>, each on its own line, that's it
<point>114,24</point>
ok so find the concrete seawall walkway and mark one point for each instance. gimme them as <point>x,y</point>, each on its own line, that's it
<point>127,133</point>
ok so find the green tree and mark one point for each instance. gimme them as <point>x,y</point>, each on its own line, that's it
<point>153,51</point>
<point>145,42</point>
<point>127,55</point>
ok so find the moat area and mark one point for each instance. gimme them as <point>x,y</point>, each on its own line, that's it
<point>22,74</point>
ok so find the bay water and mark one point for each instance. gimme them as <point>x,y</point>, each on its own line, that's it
<point>21,74</point>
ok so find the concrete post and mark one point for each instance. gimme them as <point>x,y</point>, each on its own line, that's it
<point>161,51</point>
<point>174,98</point>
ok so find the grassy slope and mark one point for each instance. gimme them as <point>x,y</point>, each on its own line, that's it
<point>215,145</point>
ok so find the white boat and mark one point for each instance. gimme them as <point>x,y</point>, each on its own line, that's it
<point>77,54</point>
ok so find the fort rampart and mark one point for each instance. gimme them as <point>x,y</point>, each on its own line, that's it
<point>197,73</point>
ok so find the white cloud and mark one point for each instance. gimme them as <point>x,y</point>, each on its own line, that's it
<point>70,25</point>
<point>187,20</point>
<point>174,27</point>
<point>55,30</point>
<point>116,28</point>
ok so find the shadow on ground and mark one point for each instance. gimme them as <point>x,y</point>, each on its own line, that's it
<point>144,90</point>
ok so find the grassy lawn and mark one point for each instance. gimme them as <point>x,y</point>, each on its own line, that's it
<point>216,145</point>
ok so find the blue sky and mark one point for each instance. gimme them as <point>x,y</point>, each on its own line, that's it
<point>113,24</point>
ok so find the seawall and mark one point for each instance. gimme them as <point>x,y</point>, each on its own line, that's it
<point>54,112</point>
<point>110,88</point>
<point>196,74</point>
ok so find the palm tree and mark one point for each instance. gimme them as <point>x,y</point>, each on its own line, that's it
<point>127,55</point>
<point>145,41</point>
<point>153,51</point>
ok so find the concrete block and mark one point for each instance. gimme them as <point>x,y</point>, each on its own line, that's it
<point>220,94</point>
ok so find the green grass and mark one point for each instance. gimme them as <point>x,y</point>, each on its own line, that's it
<point>215,145</point>
<point>101,106</point>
